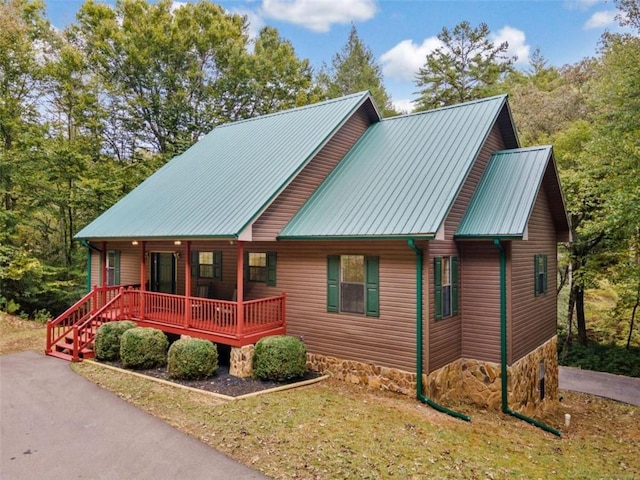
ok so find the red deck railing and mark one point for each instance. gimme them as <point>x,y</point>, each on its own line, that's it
<point>208,315</point>
<point>216,320</point>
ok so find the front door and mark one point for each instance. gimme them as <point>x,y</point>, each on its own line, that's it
<point>163,272</point>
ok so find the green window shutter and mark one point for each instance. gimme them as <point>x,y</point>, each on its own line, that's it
<point>535,275</point>
<point>195,264</point>
<point>454,285</point>
<point>217,265</point>
<point>373,287</point>
<point>437,284</point>
<point>544,272</point>
<point>271,268</point>
<point>333,281</point>
<point>116,267</point>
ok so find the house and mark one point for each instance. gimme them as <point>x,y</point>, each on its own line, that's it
<point>412,252</point>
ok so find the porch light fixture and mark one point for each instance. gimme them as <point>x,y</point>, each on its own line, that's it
<point>135,242</point>
<point>177,242</point>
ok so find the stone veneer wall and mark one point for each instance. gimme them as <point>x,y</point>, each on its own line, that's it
<point>241,361</point>
<point>481,382</point>
<point>463,380</point>
<point>374,376</point>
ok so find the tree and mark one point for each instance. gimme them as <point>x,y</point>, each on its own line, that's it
<point>353,70</point>
<point>269,79</point>
<point>616,149</point>
<point>23,48</point>
<point>161,69</point>
<point>466,67</point>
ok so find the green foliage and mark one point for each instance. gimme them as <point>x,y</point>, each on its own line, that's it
<point>279,357</point>
<point>42,316</point>
<point>142,348</point>
<point>107,341</point>
<point>9,306</point>
<point>601,357</point>
<point>192,359</point>
<point>467,66</point>
<point>354,69</point>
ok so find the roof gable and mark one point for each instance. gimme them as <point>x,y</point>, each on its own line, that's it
<point>401,177</point>
<point>220,184</point>
<point>503,202</point>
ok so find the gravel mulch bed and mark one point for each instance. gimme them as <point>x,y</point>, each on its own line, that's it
<point>221,382</point>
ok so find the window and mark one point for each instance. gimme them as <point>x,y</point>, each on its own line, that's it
<point>445,286</point>
<point>206,265</point>
<point>261,267</point>
<point>113,267</point>
<point>353,284</point>
<point>257,267</point>
<point>540,278</point>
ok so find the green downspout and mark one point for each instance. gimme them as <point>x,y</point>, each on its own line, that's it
<point>420,396</point>
<point>89,247</point>
<point>503,345</point>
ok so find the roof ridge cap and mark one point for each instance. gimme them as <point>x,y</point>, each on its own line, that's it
<point>296,109</point>
<point>524,149</point>
<point>448,107</point>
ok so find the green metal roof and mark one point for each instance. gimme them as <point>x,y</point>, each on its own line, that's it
<point>219,185</point>
<point>401,178</point>
<point>504,199</point>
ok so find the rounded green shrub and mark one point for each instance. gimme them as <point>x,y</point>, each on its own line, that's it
<point>107,342</point>
<point>142,348</point>
<point>279,357</point>
<point>192,359</point>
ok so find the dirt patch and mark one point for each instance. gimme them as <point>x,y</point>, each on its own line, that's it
<point>221,382</point>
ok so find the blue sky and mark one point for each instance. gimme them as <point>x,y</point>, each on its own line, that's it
<point>401,32</point>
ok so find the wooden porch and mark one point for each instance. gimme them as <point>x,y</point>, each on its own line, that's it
<point>235,323</point>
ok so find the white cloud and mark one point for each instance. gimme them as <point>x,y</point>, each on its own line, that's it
<point>601,19</point>
<point>319,15</point>
<point>517,43</point>
<point>403,61</point>
<point>581,4</point>
<point>404,105</point>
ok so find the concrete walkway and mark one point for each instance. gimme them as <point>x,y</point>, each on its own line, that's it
<point>616,387</point>
<point>54,424</point>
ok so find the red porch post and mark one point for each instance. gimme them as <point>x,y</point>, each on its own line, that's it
<point>104,272</point>
<point>187,285</point>
<point>240,289</point>
<point>143,276</point>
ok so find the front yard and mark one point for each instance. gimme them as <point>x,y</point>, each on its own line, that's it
<point>337,430</point>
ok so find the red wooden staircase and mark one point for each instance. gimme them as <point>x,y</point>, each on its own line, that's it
<point>71,335</point>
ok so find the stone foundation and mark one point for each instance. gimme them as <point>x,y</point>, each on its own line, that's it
<point>385,378</point>
<point>241,361</point>
<point>480,383</point>
<point>464,380</point>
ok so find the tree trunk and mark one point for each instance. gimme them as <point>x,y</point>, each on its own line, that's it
<point>570,307</point>
<point>633,316</point>
<point>580,317</point>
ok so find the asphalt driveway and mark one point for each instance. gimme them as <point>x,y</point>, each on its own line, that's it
<point>54,424</point>
<point>616,387</point>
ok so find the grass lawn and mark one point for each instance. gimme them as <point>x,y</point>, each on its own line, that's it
<point>337,430</point>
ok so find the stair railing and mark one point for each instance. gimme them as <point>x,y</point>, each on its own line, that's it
<point>84,331</point>
<point>77,314</point>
